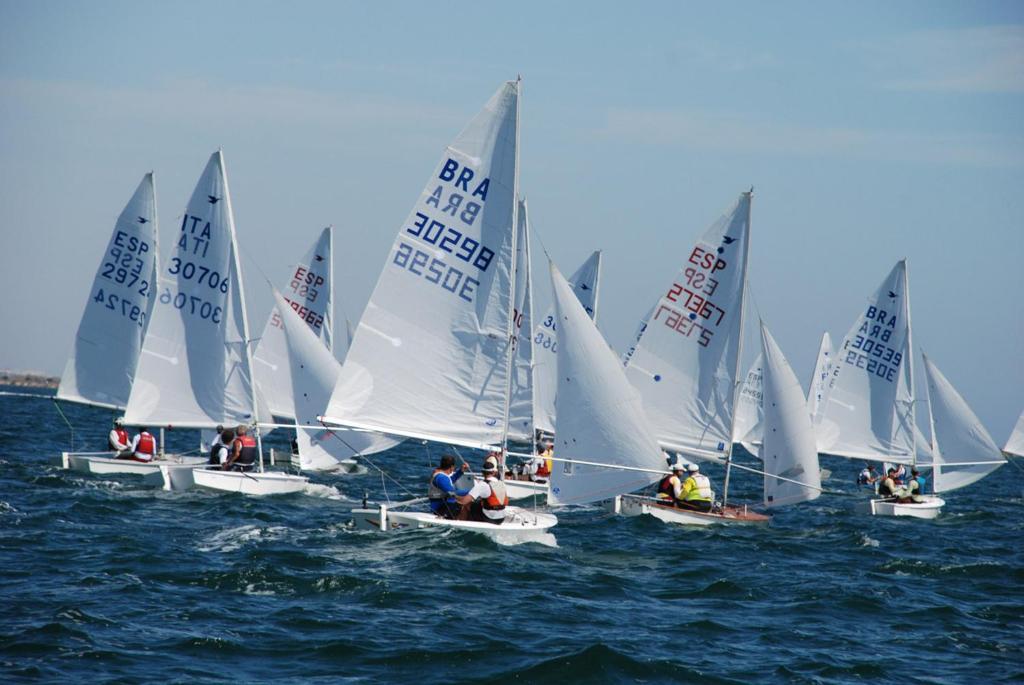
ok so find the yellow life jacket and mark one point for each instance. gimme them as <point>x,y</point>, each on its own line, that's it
<point>697,488</point>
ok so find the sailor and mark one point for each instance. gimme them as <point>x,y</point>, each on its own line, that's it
<point>220,450</point>
<point>216,444</point>
<point>868,476</point>
<point>899,474</point>
<point>143,447</point>
<point>916,475</point>
<point>670,489</point>
<point>887,488</point>
<point>487,499</point>
<point>696,494</point>
<point>914,489</point>
<point>544,470</point>
<point>118,440</point>
<point>442,491</point>
<point>243,451</point>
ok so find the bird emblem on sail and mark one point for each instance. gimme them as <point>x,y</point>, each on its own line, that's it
<point>213,199</point>
<point>143,220</point>
<point>892,295</point>
<point>318,258</point>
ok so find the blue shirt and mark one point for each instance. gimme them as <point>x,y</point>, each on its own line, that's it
<point>447,483</point>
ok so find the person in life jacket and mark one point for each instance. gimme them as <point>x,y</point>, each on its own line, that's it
<point>487,500</point>
<point>220,451</point>
<point>545,470</point>
<point>215,445</point>
<point>244,452</point>
<point>887,487</point>
<point>913,491</point>
<point>899,474</point>
<point>696,494</point>
<point>119,441</point>
<point>143,446</point>
<point>868,476</point>
<point>670,489</point>
<point>442,490</point>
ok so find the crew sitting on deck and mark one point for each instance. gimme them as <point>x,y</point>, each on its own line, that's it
<point>119,441</point>
<point>547,463</point>
<point>143,447</point>
<point>487,499</point>
<point>697,494</point>
<point>442,491</point>
<point>219,451</point>
<point>887,488</point>
<point>244,452</point>
<point>868,476</point>
<point>912,492</point>
<point>670,489</point>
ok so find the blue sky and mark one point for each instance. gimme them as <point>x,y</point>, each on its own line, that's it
<point>870,131</point>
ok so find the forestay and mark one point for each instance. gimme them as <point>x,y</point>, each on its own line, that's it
<point>820,378</point>
<point>313,371</point>
<point>958,438</point>
<point>749,424</point>
<point>309,291</point>
<point>1015,443</point>
<point>867,410</point>
<point>430,355</point>
<point>195,367</point>
<point>685,362</point>
<point>520,421</point>
<point>788,449</point>
<point>599,416</point>
<point>585,282</point>
<point>109,337</point>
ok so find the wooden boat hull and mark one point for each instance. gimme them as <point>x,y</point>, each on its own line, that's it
<point>259,484</point>
<point>517,523</point>
<point>635,505</point>
<point>103,463</point>
<point>928,509</point>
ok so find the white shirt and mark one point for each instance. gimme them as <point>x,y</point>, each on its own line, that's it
<point>135,444</point>
<point>481,490</point>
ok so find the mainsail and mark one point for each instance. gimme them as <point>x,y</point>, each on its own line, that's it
<point>195,369</point>
<point>820,378</point>
<point>313,371</point>
<point>1015,443</point>
<point>520,420</point>
<point>685,363</point>
<point>599,416</point>
<point>958,438</point>
<point>102,364</point>
<point>430,356</point>
<point>868,406</point>
<point>309,291</point>
<point>788,450</point>
<point>585,282</point>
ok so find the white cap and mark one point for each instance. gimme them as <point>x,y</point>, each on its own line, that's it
<point>490,464</point>
<point>119,421</point>
<point>692,468</point>
<point>679,466</point>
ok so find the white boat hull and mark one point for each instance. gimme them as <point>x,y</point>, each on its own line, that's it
<point>266,483</point>
<point>103,463</point>
<point>928,509</point>
<point>178,477</point>
<point>521,489</point>
<point>634,505</point>
<point>517,522</point>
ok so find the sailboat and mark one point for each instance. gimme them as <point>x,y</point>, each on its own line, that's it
<point>433,355</point>
<point>1015,443</point>
<point>818,386</point>
<point>195,369</point>
<point>309,292</point>
<point>102,366</point>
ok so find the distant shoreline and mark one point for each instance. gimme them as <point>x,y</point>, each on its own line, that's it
<point>24,379</point>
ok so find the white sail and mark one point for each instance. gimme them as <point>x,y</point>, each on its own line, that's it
<point>109,337</point>
<point>685,363</point>
<point>789,449</point>
<point>820,378</point>
<point>585,282</point>
<point>430,355</point>
<point>958,438</point>
<point>599,417</point>
<point>195,368</point>
<point>867,410</point>
<point>1015,443</point>
<point>309,290</point>
<point>313,371</point>
<point>749,424</point>
<point>520,419</point>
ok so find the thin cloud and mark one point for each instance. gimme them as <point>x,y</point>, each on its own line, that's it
<point>728,132</point>
<point>986,59</point>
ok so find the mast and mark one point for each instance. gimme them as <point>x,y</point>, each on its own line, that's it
<point>245,315</point>
<point>597,285</point>
<point>739,352</point>
<point>330,293</point>
<point>528,303</point>
<point>510,323</point>
<point>910,370</point>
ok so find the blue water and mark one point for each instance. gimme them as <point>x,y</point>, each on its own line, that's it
<point>104,580</point>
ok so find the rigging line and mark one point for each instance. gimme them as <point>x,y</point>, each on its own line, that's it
<point>368,461</point>
<point>64,416</point>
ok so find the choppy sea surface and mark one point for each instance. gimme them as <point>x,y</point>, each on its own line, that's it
<point>105,580</point>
